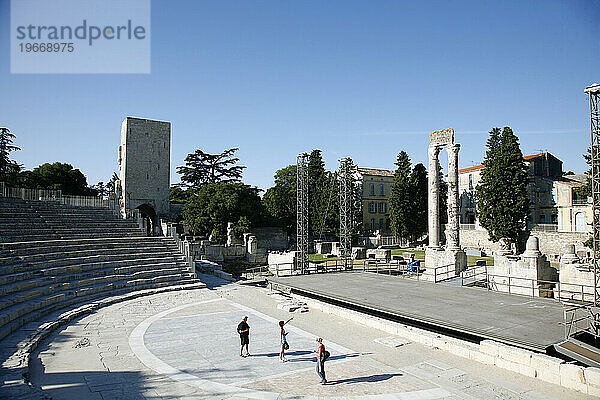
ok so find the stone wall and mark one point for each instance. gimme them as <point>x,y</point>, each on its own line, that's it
<point>550,242</point>
<point>282,261</point>
<point>271,238</point>
<point>576,278</point>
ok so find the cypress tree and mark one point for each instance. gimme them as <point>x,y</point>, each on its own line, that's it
<point>501,195</point>
<point>400,197</point>
<point>417,218</point>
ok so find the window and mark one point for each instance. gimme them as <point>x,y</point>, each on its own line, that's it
<point>470,181</point>
<point>381,191</point>
<point>372,189</point>
<point>380,208</point>
<point>381,223</point>
<point>385,208</point>
<point>372,224</point>
<point>387,224</point>
<point>371,207</point>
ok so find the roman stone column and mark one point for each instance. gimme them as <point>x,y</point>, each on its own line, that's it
<point>433,198</point>
<point>452,230</point>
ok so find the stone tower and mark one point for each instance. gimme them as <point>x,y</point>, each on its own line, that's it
<point>144,164</point>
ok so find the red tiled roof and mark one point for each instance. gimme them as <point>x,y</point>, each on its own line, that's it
<point>480,166</point>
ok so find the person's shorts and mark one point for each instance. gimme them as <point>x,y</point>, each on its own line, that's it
<point>245,339</point>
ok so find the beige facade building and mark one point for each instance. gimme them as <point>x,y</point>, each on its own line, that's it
<point>375,188</point>
<point>555,206</point>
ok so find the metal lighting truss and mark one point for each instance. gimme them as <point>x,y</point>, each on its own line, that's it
<point>346,192</point>
<point>302,212</point>
<point>594,94</point>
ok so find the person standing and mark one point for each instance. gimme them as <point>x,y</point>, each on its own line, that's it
<point>321,356</point>
<point>283,339</point>
<point>244,331</point>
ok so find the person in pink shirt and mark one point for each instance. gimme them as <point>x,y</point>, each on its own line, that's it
<point>321,357</point>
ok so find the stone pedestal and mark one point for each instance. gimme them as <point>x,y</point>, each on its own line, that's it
<point>576,279</point>
<point>528,274</point>
<point>443,263</point>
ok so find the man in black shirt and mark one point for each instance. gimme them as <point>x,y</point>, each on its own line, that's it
<point>244,331</point>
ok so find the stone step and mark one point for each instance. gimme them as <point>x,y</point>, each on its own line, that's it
<point>20,278</point>
<point>66,235</point>
<point>27,290</point>
<point>18,216</point>
<point>85,259</point>
<point>98,264</point>
<point>41,253</point>
<point>11,260</point>
<point>16,316</point>
<point>72,300</point>
<point>79,244</point>
<point>41,225</point>
<point>26,238</point>
<point>21,231</point>
<point>101,229</point>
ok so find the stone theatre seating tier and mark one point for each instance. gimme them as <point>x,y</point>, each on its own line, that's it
<point>54,256</point>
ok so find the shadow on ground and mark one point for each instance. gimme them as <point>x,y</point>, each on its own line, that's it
<point>361,379</point>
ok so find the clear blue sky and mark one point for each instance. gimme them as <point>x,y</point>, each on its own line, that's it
<point>363,79</point>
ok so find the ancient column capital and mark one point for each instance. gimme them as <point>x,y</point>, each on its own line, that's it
<point>434,151</point>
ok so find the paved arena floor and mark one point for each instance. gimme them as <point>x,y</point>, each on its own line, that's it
<point>184,345</point>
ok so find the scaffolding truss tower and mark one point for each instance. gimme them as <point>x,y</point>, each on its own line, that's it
<point>594,93</point>
<point>346,193</point>
<point>302,212</point>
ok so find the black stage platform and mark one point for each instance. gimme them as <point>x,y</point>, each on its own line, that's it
<point>474,313</point>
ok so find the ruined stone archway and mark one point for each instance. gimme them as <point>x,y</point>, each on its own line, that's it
<point>149,216</point>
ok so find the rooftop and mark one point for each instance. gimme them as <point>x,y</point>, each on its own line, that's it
<point>375,172</point>
<point>480,166</point>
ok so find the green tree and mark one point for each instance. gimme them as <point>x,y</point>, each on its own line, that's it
<point>100,188</point>
<point>418,188</point>
<point>400,197</point>
<point>112,182</point>
<point>280,199</point>
<point>501,195</point>
<point>319,188</point>
<point>57,176</point>
<point>178,195</point>
<point>203,168</point>
<point>586,191</point>
<point>212,206</point>
<point>8,168</point>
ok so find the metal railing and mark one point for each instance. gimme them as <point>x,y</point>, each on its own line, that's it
<point>545,228</point>
<point>251,273</point>
<point>467,227</point>
<point>580,203</point>
<point>58,197</point>
<point>528,286</point>
<point>582,318</point>
<point>373,241</point>
<point>474,275</point>
<point>444,273</point>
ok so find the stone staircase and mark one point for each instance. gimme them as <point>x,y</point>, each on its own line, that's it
<point>53,257</point>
